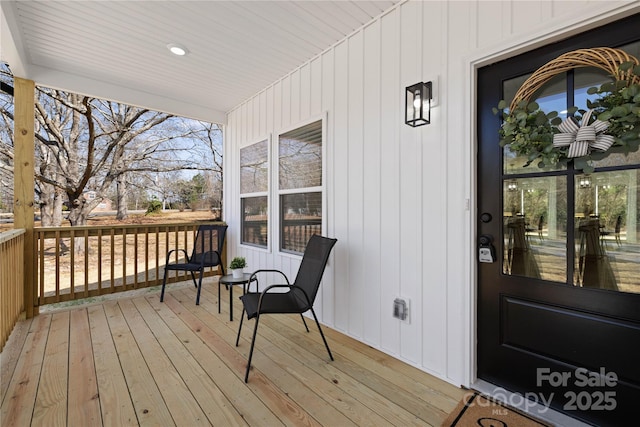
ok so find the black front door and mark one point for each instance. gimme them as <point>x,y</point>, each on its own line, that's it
<point>559,308</point>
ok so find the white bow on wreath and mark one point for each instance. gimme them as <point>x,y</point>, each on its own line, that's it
<point>583,139</point>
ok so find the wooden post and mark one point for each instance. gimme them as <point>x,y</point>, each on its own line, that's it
<point>24,181</point>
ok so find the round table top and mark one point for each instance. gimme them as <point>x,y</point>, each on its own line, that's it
<point>230,280</point>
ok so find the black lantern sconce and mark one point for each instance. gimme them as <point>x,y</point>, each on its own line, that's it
<point>418,104</point>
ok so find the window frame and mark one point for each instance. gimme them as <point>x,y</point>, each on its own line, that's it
<point>256,194</point>
<point>278,192</point>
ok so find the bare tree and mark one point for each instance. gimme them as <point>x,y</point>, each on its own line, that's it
<point>211,136</point>
<point>85,143</point>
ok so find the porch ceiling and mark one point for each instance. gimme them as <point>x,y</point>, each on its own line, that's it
<point>117,50</point>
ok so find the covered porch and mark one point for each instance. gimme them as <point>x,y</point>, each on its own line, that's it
<point>137,361</point>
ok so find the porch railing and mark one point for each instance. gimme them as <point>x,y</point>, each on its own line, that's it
<point>81,262</point>
<point>11,281</point>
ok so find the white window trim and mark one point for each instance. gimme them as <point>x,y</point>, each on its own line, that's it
<point>275,230</point>
<point>267,193</point>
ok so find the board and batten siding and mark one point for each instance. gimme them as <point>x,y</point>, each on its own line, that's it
<point>400,200</point>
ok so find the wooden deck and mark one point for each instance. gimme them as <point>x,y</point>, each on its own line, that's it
<point>137,361</point>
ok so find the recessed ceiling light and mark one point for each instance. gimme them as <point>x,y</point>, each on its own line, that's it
<point>177,49</point>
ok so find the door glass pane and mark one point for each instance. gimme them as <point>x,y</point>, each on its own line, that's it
<point>551,97</point>
<point>535,227</point>
<point>606,236</point>
<point>585,78</point>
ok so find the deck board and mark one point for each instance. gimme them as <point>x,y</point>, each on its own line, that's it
<point>51,402</point>
<point>116,406</point>
<point>19,401</point>
<point>137,361</point>
<point>10,355</point>
<point>187,329</point>
<point>83,400</point>
<point>149,405</point>
<point>204,391</point>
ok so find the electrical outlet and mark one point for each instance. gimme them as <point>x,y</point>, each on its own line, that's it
<point>401,309</point>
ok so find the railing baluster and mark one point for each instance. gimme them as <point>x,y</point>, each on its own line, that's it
<point>124,258</point>
<point>157,281</point>
<point>100,260</point>
<point>112,236</point>
<point>72,242</point>
<point>57,269</point>
<point>86,263</point>
<point>146,254</point>
<point>135,257</point>
<point>41,243</point>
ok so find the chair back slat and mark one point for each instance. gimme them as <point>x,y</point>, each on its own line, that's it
<point>209,238</point>
<point>313,264</point>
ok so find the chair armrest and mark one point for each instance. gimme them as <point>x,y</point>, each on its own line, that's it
<point>290,287</point>
<point>174,250</point>
<point>255,273</point>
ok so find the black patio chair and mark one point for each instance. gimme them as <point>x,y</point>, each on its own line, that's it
<point>300,295</point>
<point>207,250</point>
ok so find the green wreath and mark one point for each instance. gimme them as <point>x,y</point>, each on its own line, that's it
<point>610,125</point>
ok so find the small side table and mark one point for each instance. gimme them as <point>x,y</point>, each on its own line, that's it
<point>230,281</point>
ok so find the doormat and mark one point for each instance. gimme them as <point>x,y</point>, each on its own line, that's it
<point>476,410</point>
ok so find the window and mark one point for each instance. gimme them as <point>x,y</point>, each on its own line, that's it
<point>300,186</point>
<point>254,199</point>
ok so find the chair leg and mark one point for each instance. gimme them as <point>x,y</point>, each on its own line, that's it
<point>321,334</point>
<point>240,328</point>
<point>253,342</point>
<point>199,287</point>
<point>305,323</point>
<point>164,282</point>
<point>193,277</point>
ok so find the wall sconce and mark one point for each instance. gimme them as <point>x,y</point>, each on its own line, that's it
<point>418,104</point>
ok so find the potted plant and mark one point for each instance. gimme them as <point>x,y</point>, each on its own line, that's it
<point>237,265</point>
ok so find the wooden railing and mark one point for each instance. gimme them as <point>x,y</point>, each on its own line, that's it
<point>11,281</point>
<point>81,262</point>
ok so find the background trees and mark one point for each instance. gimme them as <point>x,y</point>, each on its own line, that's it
<point>113,150</point>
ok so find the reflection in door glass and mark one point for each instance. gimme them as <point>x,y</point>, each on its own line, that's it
<point>535,227</point>
<point>606,236</point>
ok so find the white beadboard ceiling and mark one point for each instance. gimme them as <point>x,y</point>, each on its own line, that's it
<point>117,49</point>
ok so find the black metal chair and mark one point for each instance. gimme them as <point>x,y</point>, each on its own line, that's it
<point>207,250</point>
<point>300,295</point>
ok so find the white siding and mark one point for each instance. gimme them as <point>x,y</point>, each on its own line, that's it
<point>397,196</point>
